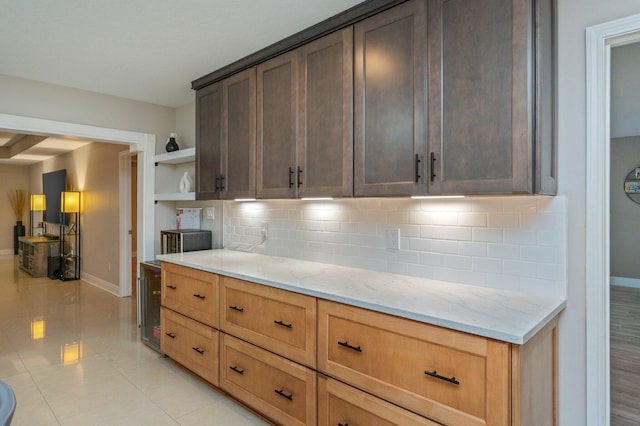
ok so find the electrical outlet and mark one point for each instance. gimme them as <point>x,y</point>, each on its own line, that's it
<point>264,229</point>
<point>210,213</point>
<point>393,239</point>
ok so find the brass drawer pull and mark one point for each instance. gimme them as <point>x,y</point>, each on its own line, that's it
<point>347,345</point>
<point>283,324</point>
<point>199,296</point>
<point>200,351</point>
<point>282,393</point>
<point>172,335</point>
<point>172,287</point>
<point>236,369</point>
<point>446,379</point>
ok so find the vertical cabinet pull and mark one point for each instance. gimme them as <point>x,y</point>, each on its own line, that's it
<point>290,177</point>
<point>433,166</point>
<point>347,345</point>
<point>283,394</point>
<point>417,166</point>
<point>236,308</point>
<point>172,335</point>
<point>197,349</point>
<point>236,369</point>
<point>217,183</point>
<point>221,182</point>
<point>299,177</point>
<point>172,287</point>
<point>283,324</point>
<point>446,379</point>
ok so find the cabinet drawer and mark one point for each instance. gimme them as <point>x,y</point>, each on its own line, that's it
<point>340,404</point>
<point>190,343</point>
<point>191,292</point>
<point>448,376</point>
<point>279,388</point>
<point>277,320</point>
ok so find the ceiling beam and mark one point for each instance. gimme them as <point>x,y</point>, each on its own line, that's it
<point>20,143</point>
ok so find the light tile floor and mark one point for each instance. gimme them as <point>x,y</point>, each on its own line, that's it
<point>72,354</point>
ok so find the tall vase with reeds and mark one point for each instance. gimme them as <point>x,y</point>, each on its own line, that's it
<point>18,200</point>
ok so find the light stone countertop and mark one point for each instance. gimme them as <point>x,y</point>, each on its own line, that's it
<point>503,315</point>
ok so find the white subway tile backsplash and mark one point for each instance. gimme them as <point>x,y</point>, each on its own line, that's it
<point>515,243</point>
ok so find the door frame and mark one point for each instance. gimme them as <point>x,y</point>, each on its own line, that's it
<point>599,41</point>
<point>142,143</point>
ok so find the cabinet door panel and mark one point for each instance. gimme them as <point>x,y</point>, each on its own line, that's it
<point>277,112</point>
<point>239,135</point>
<point>480,125</point>
<point>326,116</point>
<point>208,141</point>
<point>389,101</point>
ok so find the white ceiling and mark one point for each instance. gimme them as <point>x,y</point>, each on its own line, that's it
<point>146,50</point>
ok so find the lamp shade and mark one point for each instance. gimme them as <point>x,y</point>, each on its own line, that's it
<point>70,202</point>
<point>38,203</point>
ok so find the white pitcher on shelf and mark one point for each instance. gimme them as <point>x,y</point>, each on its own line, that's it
<point>185,183</point>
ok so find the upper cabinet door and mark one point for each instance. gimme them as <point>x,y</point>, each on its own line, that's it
<point>208,141</point>
<point>482,80</point>
<point>325,142</point>
<point>389,102</point>
<point>239,135</point>
<point>276,127</point>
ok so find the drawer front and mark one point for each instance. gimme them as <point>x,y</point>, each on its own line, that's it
<point>279,388</point>
<point>274,319</point>
<point>191,292</point>
<point>340,404</point>
<point>190,343</point>
<point>448,376</point>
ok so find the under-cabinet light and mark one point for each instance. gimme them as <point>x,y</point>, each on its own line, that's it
<point>435,197</point>
<point>242,200</point>
<point>317,198</point>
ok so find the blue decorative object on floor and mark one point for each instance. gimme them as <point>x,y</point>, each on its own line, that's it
<point>7,404</point>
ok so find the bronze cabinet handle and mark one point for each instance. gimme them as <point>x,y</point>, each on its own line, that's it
<point>438,376</point>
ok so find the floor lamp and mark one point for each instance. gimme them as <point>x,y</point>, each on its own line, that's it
<point>37,203</point>
<point>70,238</point>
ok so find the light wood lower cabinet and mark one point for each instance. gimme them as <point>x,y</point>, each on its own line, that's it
<point>340,404</point>
<point>191,292</point>
<point>281,389</point>
<point>278,320</point>
<point>190,343</point>
<point>448,376</point>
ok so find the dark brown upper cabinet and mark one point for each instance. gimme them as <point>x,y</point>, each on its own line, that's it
<point>389,102</point>
<point>208,141</point>
<point>325,142</point>
<point>277,119</point>
<point>305,124</point>
<point>491,105</point>
<point>238,179</point>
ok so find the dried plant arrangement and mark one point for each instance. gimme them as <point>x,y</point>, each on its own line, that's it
<point>18,200</point>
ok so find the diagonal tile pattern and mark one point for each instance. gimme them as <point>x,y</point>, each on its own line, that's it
<point>72,354</point>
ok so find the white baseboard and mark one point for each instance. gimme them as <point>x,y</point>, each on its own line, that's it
<point>625,282</point>
<point>100,283</point>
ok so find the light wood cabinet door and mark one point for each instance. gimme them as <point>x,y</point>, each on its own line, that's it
<point>450,377</point>
<point>389,102</point>
<point>280,389</point>
<point>277,320</point>
<point>190,343</point>
<point>491,103</point>
<point>191,292</point>
<point>238,178</point>
<point>277,120</point>
<point>325,142</point>
<point>208,142</point>
<point>341,404</point>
